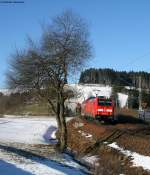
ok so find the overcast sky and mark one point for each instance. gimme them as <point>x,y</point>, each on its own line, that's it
<point>120,30</point>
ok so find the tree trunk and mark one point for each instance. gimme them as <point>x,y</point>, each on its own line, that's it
<point>63,137</point>
<point>57,113</point>
<point>58,121</point>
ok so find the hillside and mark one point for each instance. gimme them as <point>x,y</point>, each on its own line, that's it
<point>115,78</point>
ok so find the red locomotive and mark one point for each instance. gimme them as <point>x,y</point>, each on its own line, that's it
<point>98,107</point>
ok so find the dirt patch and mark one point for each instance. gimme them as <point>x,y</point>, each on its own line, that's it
<point>83,135</point>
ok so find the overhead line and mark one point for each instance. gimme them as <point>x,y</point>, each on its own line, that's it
<point>137,58</point>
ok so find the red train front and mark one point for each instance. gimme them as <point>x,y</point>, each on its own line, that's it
<point>98,107</point>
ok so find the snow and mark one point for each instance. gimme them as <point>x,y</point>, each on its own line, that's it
<point>15,164</point>
<point>84,91</point>
<point>92,160</point>
<point>137,159</point>
<point>53,135</point>
<point>78,124</point>
<point>87,135</point>
<point>27,130</point>
<point>37,130</point>
<point>87,90</point>
<point>130,87</point>
<point>7,92</point>
<point>122,99</point>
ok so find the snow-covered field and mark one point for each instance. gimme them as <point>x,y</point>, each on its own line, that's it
<point>14,161</point>
<point>27,130</point>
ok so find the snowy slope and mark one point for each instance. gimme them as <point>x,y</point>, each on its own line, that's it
<point>84,91</point>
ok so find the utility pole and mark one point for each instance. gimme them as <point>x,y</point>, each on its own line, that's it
<point>140,93</point>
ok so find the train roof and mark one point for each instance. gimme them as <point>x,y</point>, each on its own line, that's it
<point>100,97</point>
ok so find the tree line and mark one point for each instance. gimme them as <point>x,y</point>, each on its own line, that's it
<point>115,78</point>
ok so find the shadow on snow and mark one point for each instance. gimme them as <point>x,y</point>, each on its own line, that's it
<point>48,133</point>
<point>9,169</point>
<point>42,160</point>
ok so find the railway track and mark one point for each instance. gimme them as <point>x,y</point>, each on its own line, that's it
<point>141,131</point>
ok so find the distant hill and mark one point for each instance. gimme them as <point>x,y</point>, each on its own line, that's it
<point>112,77</point>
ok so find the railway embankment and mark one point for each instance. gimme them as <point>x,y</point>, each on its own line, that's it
<point>110,148</point>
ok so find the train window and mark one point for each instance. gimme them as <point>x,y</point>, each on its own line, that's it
<point>104,103</point>
<point>90,98</point>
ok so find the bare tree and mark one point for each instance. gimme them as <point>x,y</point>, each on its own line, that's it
<point>63,49</point>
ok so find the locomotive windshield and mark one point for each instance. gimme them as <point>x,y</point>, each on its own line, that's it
<point>104,103</point>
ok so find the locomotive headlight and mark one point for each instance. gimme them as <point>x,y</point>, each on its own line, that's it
<point>100,110</point>
<point>109,110</point>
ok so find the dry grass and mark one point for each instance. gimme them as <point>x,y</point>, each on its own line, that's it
<point>127,112</point>
<point>113,162</point>
<point>138,142</point>
<point>134,136</point>
<point>31,109</point>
